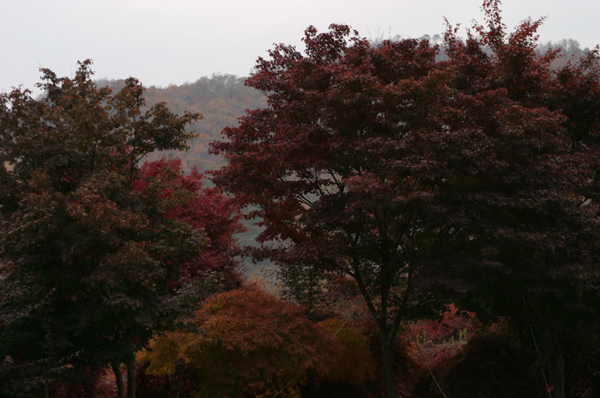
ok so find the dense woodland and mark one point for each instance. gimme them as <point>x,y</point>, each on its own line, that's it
<point>429,207</point>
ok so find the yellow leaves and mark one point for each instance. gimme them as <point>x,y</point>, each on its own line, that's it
<point>164,351</point>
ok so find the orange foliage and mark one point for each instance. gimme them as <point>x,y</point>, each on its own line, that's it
<point>353,360</point>
<point>244,336</point>
<point>265,333</point>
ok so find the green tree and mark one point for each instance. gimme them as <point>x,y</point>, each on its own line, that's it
<point>87,258</point>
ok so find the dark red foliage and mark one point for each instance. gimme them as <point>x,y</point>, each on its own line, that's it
<point>335,171</point>
<point>473,178</point>
<point>451,324</point>
<point>91,383</point>
<point>488,367</point>
<point>207,210</point>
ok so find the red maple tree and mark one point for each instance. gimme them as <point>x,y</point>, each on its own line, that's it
<point>427,179</point>
<point>205,209</point>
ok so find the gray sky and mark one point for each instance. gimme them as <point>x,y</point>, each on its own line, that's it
<point>170,42</point>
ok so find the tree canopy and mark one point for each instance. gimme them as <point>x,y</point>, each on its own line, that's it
<point>93,249</point>
<point>427,179</point>
<point>248,336</point>
<point>451,187</point>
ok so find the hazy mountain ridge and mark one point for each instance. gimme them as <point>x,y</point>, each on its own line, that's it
<point>221,99</point>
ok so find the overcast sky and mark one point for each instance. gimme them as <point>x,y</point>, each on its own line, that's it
<point>170,42</point>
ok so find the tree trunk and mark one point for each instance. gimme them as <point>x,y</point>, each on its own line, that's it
<point>176,383</point>
<point>595,386</point>
<point>558,363</point>
<point>388,368</point>
<point>387,334</point>
<point>131,378</point>
<point>518,326</point>
<point>119,379</point>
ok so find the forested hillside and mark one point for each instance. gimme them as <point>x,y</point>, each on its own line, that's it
<point>220,99</point>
